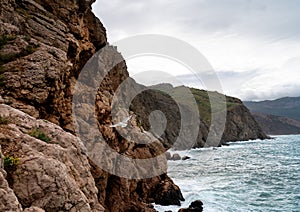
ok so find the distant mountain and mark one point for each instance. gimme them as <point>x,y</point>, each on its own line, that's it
<point>287,107</point>
<point>277,125</point>
<point>277,117</point>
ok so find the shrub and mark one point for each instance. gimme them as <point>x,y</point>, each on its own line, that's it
<point>2,80</point>
<point>10,163</point>
<point>29,49</point>
<point>3,120</point>
<point>4,39</point>
<point>27,38</point>
<point>39,134</point>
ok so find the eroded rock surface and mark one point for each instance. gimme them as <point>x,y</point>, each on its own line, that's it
<point>9,201</point>
<point>52,174</point>
<point>44,46</point>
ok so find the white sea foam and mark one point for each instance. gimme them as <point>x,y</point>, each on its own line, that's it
<point>245,176</point>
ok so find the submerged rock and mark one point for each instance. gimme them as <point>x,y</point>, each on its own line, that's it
<point>196,206</point>
<point>185,158</point>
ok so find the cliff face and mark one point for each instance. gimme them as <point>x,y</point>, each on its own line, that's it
<point>50,171</point>
<point>240,124</point>
<point>43,47</point>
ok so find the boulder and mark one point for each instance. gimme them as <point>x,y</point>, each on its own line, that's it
<point>196,206</point>
<point>168,155</point>
<point>176,156</point>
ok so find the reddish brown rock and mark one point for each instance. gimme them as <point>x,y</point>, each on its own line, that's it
<point>45,45</point>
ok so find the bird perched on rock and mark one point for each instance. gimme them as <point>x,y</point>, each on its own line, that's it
<point>123,123</point>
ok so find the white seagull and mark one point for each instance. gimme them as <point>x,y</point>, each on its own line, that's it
<point>123,123</point>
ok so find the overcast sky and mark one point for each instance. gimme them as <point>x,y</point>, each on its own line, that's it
<point>253,45</point>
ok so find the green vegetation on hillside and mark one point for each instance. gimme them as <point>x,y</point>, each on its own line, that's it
<point>204,99</point>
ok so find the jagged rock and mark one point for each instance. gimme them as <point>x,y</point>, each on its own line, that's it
<point>47,43</point>
<point>52,174</point>
<point>167,193</point>
<point>241,125</point>
<point>196,206</point>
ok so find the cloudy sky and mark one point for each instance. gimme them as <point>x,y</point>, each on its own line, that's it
<point>253,45</point>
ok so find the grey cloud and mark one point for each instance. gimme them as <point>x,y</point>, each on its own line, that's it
<point>267,19</point>
<point>232,84</point>
<point>271,21</point>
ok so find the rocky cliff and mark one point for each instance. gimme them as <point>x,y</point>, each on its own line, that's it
<point>239,126</point>
<point>43,47</point>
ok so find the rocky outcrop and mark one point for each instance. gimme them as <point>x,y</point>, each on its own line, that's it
<point>54,173</point>
<point>43,47</point>
<point>239,126</point>
<point>196,206</point>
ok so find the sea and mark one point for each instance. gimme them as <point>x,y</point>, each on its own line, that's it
<point>258,175</point>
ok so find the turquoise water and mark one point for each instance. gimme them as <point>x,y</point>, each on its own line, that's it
<point>245,176</point>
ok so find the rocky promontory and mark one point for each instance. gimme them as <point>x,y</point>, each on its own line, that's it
<point>239,123</point>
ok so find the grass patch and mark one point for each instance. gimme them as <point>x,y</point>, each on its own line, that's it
<point>27,38</point>
<point>39,134</point>
<point>3,120</point>
<point>11,57</point>
<point>10,163</point>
